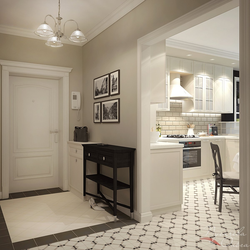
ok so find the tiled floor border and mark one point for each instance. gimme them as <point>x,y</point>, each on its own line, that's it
<point>5,240</point>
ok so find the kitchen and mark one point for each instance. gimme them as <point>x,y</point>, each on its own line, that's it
<point>200,93</point>
<point>144,158</point>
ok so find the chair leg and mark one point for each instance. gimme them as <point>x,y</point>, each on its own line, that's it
<point>215,195</point>
<point>220,202</point>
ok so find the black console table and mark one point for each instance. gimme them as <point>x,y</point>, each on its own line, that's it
<point>115,157</point>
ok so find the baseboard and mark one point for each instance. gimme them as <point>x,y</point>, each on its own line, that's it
<point>76,193</point>
<point>166,210</point>
<point>143,217</point>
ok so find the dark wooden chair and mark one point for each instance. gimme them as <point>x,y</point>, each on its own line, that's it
<point>223,179</point>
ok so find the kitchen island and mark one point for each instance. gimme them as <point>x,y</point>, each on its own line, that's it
<point>166,177</point>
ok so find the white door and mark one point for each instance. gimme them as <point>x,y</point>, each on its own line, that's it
<point>33,133</point>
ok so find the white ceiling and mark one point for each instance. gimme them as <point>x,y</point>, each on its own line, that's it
<point>217,38</point>
<point>22,17</point>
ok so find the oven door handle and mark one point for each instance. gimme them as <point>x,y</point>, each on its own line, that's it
<point>193,148</point>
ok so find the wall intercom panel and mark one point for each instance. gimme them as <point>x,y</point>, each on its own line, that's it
<point>76,100</point>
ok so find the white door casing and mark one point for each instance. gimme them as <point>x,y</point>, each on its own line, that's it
<point>11,68</point>
<point>33,133</point>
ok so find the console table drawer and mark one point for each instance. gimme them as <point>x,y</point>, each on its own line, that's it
<point>106,158</point>
<point>90,155</point>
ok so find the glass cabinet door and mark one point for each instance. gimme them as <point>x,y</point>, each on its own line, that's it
<point>209,94</point>
<point>198,93</point>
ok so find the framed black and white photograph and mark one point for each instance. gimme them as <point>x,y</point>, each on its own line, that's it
<point>115,82</point>
<point>111,111</point>
<point>97,112</point>
<point>101,86</point>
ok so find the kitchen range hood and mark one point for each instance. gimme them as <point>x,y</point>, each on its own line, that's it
<point>177,92</point>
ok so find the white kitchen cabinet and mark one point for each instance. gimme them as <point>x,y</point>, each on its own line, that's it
<point>166,179</point>
<point>166,105</point>
<point>201,88</point>
<point>232,148</point>
<point>157,67</point>
<point>203,69</point>
<point>180,65</point>
<point>223,89</point>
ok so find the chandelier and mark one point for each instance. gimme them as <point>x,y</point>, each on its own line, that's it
<point>54,36</point>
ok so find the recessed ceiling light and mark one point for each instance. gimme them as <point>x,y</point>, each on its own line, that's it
<point>211,59</point>
<point>189,55</point>
<point>233,63</point>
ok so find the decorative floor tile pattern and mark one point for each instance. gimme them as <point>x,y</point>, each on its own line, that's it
<point>198,226</point>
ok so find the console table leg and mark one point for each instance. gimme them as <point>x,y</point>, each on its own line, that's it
<point>84,177</point>
<point>98,172</point>
<point>131,180</point>
<point>115,190</point>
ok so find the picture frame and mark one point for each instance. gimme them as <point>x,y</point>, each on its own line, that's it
<point>115,82</point>
<point>111,111</point>
<point>101,86</point>
<point>97,112</point>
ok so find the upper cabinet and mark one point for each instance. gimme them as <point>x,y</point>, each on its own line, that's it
<point>203,69</point>
<point>210,85</point>
<point>223,89</point>
<point>157,67</point>
<point>180,65</point>
<point>201,88</point>
<point>166,105</point>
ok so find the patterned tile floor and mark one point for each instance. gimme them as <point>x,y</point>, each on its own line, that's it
<point>198,226</point>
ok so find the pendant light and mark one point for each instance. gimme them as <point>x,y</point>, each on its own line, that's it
<point>55,35</point>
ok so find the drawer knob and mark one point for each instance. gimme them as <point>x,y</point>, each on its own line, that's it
<point>76,150</point>
<point>103,158</point>
<point>76,160</point>
<point>88,154</point>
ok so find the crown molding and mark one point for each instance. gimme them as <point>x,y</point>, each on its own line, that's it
<point>112,18</point>
<point>201,49</point>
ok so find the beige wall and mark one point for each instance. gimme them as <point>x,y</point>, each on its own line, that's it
<point>14,48</point>
<point>116,48</point>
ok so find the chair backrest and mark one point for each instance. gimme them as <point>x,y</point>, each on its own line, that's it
<point>217,161</point>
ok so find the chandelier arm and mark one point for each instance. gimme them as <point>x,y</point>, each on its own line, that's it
<point>52,18</point>
<point>70,21</point>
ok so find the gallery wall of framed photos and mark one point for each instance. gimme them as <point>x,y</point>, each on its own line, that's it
<point>107,86</point>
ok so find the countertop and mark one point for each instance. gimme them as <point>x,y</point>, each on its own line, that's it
<point>176,140</point>
<point>162,145</point>
<point>168,143</point>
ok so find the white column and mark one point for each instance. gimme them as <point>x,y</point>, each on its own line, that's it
<point>245,123</point>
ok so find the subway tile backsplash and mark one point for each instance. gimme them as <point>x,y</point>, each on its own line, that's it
<point>175,122</point>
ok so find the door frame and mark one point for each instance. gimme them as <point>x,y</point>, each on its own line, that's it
<point>199,15</point>
<point>10,68</point>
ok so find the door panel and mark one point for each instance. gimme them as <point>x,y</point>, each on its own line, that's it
<point>33,141</point>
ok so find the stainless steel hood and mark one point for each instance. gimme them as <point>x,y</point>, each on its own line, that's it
<point>177,92</point>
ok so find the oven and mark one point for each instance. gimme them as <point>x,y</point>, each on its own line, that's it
<point>191,154</point>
